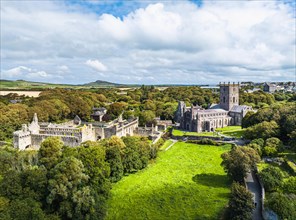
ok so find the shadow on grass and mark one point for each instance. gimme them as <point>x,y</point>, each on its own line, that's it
<point>211,179</point>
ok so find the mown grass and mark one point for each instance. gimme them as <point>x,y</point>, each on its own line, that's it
<point>185,182</point>
<point>177,132</point>
<point>230,131</point>
<point>166,144</point>
<point>229,128</point>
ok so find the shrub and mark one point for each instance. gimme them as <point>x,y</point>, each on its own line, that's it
<point>271,177</point>
<point>205,141</point>
<point>282,205</point>
<point>289,185</point>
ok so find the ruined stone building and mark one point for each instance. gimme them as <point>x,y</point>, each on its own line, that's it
<point>72,133</point>
<point>227,112</point>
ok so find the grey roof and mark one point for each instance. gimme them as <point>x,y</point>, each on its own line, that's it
<point>212,110</point>
<point>270,84</point>
<point>240,108</point>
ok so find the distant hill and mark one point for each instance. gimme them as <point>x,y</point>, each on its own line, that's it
<point>101,83</point>
<point>29,85</point>
<point>23,84</point>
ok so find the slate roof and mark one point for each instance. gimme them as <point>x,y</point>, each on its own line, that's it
<point>239,108</point>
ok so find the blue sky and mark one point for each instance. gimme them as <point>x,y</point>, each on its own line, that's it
<point>148,42</point>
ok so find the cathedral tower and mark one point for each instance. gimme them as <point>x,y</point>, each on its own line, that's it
<point>229,95</point>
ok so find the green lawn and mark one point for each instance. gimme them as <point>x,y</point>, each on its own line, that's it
<point>182,133</point>
<point>166,144</point>
<point>230,131</point>
<point>185,182</point>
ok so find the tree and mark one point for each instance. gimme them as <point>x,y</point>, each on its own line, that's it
<point>271,177</point>
<point>92,155</point>
<point>113,157</point>
<point>35,183</point>
<point>68,180</point>
<point>262,130</point>
<point>240,203</point>
<point>272,146</point>
<point>259,141</point>
<point>147,118</point>
<point>239,161</point>
<point>25,209</point>
<point>282,205</point>
<point>50,152</point>
<point>10,185</point>
<point>136,154</point>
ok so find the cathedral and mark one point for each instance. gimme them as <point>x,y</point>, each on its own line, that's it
<point>227,112</point>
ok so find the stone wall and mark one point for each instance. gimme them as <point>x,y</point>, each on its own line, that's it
<point>70,141</point>
<point>22,141</point>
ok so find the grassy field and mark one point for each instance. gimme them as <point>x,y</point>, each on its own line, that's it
<point>185,182</point>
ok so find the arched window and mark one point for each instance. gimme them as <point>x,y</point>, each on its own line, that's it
<point>233,99</point>
<point>224,99</point>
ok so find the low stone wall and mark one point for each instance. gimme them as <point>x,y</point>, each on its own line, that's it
<point>262,194</point>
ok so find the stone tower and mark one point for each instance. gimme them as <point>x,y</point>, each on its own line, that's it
<point>180,112</point>
<point>229,95</point>
<point>34,126</point>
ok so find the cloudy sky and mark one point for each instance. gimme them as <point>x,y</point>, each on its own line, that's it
<point>148,42</point>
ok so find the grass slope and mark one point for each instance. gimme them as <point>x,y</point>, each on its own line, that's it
<point>186,182</point>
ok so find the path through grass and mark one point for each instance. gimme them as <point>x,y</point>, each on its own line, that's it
<point>166,144</point>
<point>185,182</point>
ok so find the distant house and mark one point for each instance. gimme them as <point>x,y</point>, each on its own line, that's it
<point>15,101</point>
<point>253,90</point>
<point>269,87</point>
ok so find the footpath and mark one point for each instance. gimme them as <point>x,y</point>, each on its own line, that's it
<point>254,187</point>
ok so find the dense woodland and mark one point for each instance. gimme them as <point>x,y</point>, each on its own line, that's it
<point>59,182</point>
<point>147,102</point>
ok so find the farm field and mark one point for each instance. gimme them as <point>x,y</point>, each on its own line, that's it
<point>185,182</point>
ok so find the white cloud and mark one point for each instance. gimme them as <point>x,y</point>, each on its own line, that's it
<point>164,42</point>
<point>96,65</point>
<point>17,71</point>
<point>23,72</point>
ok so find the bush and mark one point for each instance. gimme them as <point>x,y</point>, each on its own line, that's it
<point>289,185</point>
<point>240,203</point>
<point>282,206</point>
<point>205,141</point>
<point>271,177</point>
